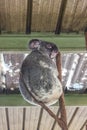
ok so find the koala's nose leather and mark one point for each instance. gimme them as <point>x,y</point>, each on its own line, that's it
<point>53,54</point>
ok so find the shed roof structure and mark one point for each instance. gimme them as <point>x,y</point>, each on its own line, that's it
<point>43,15</point>
<point>26,118</point>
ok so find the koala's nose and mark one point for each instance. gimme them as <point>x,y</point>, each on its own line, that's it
<point>53,54</point>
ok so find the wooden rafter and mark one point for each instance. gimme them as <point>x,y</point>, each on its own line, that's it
<point>29,16</point>
<point>40,118</point>
<point>7,118</point>
<point>24,113</point>
<point>53,126</point>
<point>73,14</point>
<point>84,125</point>
<point>75,112</point>
<point>60,17</point>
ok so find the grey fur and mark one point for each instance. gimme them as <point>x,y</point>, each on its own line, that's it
<point>41,77</point>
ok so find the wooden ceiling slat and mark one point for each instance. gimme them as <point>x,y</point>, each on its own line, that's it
<point>40,118</point>
<point>15,118</point>
<point>27,118</point>
<point>20,118</point>
<point>1,125</point>
<point>32,119</point>
<point>12,118</point>
<point>3,120</point>
<point>7,118</point>
<point>36,119</point>
<point>24,113</point>
<point>70,112</point>
<point>84,125</point>
<point>54,123</point>
<point>49,120</point>
<point>40,15</point>
<point>82,118</point>
<point>29,16</point>
<point>43,121</point>
<point>73,116</point>
<point>76,119</point>
<point>60,17</point>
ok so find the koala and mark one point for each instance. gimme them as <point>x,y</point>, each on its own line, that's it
<point>39,71</point>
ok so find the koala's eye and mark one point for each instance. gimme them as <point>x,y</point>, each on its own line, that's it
<point>49,46</point>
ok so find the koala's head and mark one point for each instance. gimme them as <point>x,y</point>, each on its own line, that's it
<point>47,48</point>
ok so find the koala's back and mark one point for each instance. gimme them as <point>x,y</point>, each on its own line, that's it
<point>40,75</point>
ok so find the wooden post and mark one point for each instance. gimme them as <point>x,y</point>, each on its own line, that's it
<point>61,99</point>
<point>60,17</point>
<point>85,32</point>
<point>29,16</point>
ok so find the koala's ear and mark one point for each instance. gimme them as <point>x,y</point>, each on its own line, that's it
<point>34,44</point>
